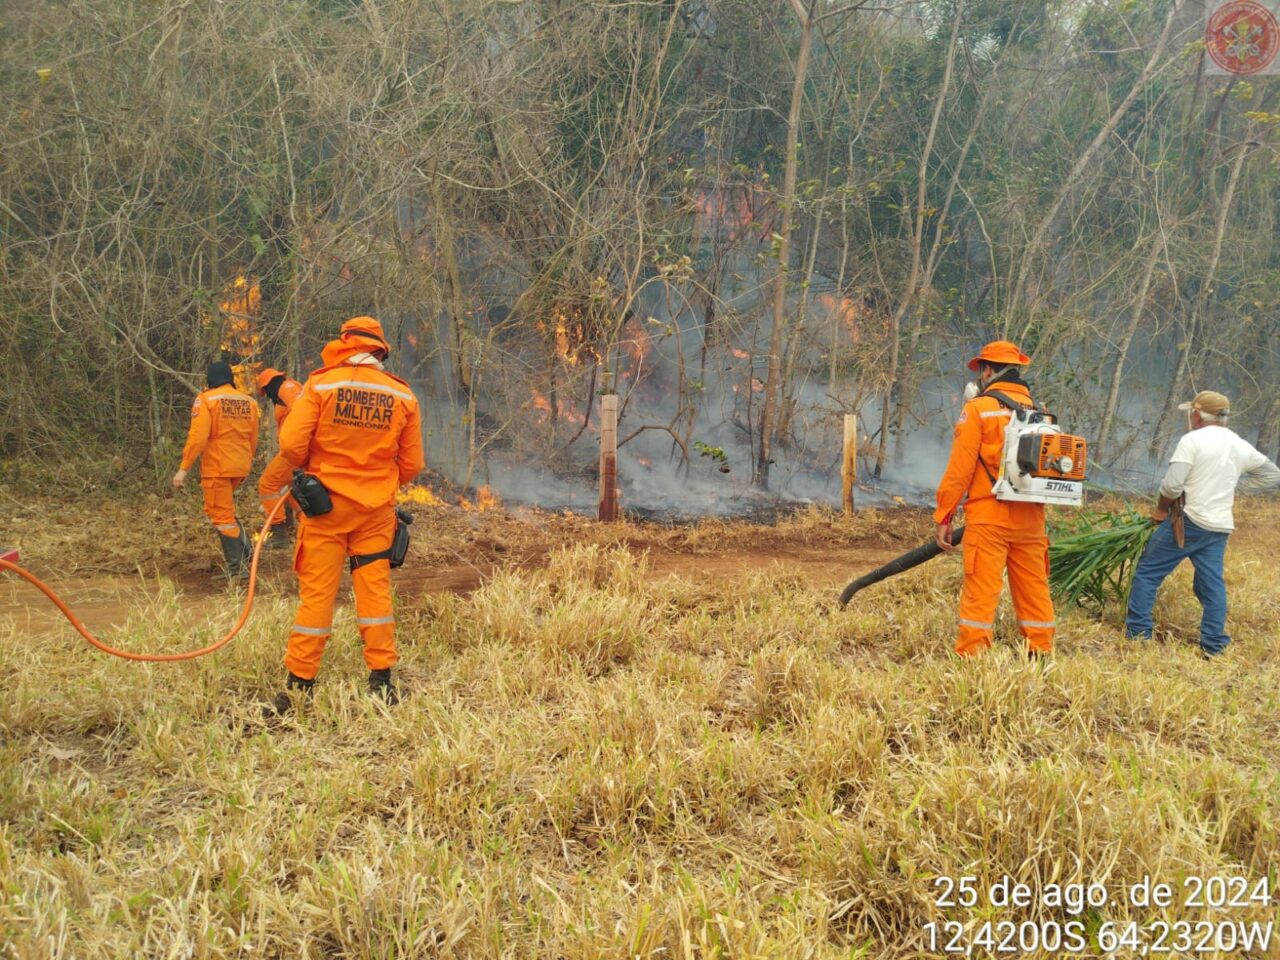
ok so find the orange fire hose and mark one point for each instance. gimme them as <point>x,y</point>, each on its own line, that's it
<point>156,657</point>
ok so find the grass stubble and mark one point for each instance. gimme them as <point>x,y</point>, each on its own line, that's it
<point>597,762</point>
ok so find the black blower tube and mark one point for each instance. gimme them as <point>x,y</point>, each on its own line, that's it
<point>912,558</point>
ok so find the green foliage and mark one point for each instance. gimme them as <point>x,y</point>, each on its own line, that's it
<point>1092,556</point>
<point>715,453</point>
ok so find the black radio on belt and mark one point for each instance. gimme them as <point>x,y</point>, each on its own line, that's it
<point>399,548</point>
<point>313,498</point>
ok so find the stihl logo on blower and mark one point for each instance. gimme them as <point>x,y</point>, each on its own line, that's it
<point>1039,463</point>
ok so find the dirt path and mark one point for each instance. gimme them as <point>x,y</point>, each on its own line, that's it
<point>105,602</point>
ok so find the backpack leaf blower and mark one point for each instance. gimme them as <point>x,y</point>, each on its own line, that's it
<point>1039,463</point>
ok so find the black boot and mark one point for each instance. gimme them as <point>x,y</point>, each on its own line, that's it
<point>283,701</point>
<point>380,685</point>
<point>235,554</point>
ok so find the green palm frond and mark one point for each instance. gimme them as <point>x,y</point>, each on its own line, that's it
<point>1092,558</point>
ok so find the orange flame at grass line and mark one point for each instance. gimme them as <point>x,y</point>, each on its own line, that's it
<point>420,495</point>
<point>485,500</point>
<point>740,354</point>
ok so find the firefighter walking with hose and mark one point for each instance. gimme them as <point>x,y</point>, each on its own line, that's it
<point>999,535</point>
<point>357,434</point>
<point>223,436</point>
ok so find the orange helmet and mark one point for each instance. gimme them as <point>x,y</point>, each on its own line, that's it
<point>1000,353</point>
<point>267,375</point>
<point>365,329</point>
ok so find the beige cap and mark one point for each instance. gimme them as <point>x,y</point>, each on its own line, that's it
<point>1210,402</point>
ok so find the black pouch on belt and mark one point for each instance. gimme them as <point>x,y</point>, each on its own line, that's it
<point>313,498</point>
<point>399,548</point>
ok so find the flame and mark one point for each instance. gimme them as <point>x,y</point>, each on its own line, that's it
<point>542,404</point>
<point>637,343</point>
<point>244,299</point>
<point>740,354</point>
<point>562,341</point>
<point>413,340</point>
<point>420,495</point>
<point>644,461</point>
<point>854,314</point>
<point>485,500</point>
<point>572,337</point>
<point>240,341</point>
<point>730,209</point>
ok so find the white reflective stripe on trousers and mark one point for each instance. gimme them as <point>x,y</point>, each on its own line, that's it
<point>312,631</point>
<point>373,621</point>
<point>976,624</point>
<point>1038,623</point>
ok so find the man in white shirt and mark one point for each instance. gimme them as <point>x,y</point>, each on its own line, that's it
<point>1205,468</point>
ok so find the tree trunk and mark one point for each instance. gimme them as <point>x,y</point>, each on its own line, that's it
<point>917,241</point>
<point>788,374</point>
<point>453,284</point>
<point>1117,375</point>
<point>771,385</point>
<point>1019,298</point>
<point>1185,351</point>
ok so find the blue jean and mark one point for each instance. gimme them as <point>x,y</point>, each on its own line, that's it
<point>1205,549</point>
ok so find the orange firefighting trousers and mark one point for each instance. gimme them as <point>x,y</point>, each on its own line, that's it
<point>988,550</point>
<point>324,544</point>
<point>274,484</point>
<point>220,503</point>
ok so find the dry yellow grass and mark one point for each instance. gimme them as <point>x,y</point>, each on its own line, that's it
<point>594,762</point>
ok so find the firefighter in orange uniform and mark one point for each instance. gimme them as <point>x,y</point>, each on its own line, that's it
<point>282,391</point>
<point>223,435</point>
<point>356,429</point>
<point>998,535</point>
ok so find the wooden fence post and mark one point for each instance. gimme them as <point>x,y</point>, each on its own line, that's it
<point>849,469</point>
<point>609,457</point>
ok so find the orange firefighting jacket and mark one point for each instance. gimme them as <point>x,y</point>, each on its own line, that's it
<point>979,440</point>
<point>356,428</point>
<point>288,393</point>
<point>223,433</point>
